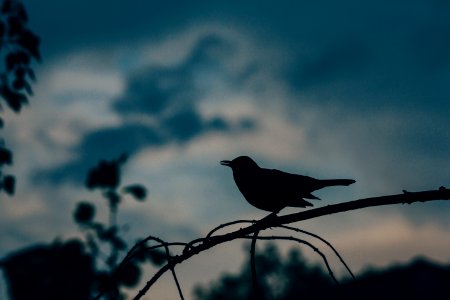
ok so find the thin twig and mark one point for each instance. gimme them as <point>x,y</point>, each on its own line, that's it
<point>410,197</point>
<point>290,238</point>
<point>160,246</point>
<point>255,285</point>
<point>172,269</point>
<point>133,251</point>
<point>226,225</point>
<point>323,240</point>
<point>289,228</point>
<point>192,244</point>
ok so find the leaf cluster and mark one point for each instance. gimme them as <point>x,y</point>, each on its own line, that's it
<point>279,278</point>
<point>19,48</point>
<point>105,240</point>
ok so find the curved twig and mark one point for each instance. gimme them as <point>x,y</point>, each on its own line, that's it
<point>290,238</point>
<point>255,285</point>
<point>172,269</point>
<point>163,245</point>
<point>323,240</point>
<point>132,252</point>
<point>227,224</point>
<point>192,244</point>
<point>289,228</point>
<point>204,244</point>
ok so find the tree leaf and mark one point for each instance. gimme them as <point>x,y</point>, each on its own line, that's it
<point>139,192</point>
<point>84,213</point>
<point>9,184</point>
<point>5,156</point>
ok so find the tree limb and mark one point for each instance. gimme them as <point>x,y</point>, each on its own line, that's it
<point>288,228</point>
<point>274,221</point>
<point>172,269</point>
<point>255,286</point>
<point>324,241</point>
<point>290,238</point>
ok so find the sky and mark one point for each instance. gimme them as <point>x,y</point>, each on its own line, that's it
<point>329,89</point>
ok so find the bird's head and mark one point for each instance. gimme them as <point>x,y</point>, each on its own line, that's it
<point>240,163</point>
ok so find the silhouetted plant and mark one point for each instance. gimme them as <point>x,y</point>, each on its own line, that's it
<point>19,47</point>
<point>292,277</point>
<point>61,270</point>
<point>252,231</point>
<point>80,269</point>
<point>279,278</point>
<point>106,177</point>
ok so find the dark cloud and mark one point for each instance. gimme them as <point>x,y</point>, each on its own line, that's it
<point>334,62</point>
<point>210,50</point>
<point>71,24</point>
<point>389,59</point>
<point>103,143</point>
<point>169,96</point>
<point>185,125</point>
<point>359,58</point>
<point>155,89</point>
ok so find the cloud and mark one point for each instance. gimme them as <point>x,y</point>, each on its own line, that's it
<point>331,63</point>
<point>103,143</point>
<point>160,105</point>
<point>152,91</point>
<point>156,89</point>
<point>375,66</point>
<point>333,88</point>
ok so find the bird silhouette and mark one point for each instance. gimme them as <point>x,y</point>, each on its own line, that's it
<point>272,190</point>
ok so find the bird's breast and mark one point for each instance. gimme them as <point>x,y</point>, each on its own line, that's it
<point>257,191</point>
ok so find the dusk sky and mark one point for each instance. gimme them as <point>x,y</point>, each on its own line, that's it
<point>329,89</point>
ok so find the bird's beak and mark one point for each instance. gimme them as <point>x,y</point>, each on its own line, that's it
<point>226,163</point>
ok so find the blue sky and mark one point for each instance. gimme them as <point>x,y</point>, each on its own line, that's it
<point>323,88</point>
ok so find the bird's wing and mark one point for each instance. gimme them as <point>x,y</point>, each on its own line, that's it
<point>292,187</point>
<point>288,180</point>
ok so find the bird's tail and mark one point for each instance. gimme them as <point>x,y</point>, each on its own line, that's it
<point>332,182</point>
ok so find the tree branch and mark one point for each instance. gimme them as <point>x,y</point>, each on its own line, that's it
<point>255,285</point>
<point>324,241</point>
<point>405,198</point>
<point>290,238</point>
<point>274,221</point>
<point>172,269</point>
<point>227,224</point>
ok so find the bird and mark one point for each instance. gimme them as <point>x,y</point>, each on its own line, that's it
<point>271,189</point>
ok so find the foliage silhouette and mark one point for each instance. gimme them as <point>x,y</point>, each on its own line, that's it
<point>278,277</point>
<point>271,221</point>
<point>61,270</point>
<point>19,47</point>
<point>106,177</point>
<point>293,277</point>
<point>81,268</point>
<point>419,279</point>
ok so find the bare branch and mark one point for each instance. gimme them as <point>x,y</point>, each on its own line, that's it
<point>228,224</point>
<point>172,269</point>
<point>139,245</point>
<point>290,238</point>
<point>405,198</point>
<point>255,285</point>
<point>274,221</point>
<point>289,228</point>
<point>323,240</point>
